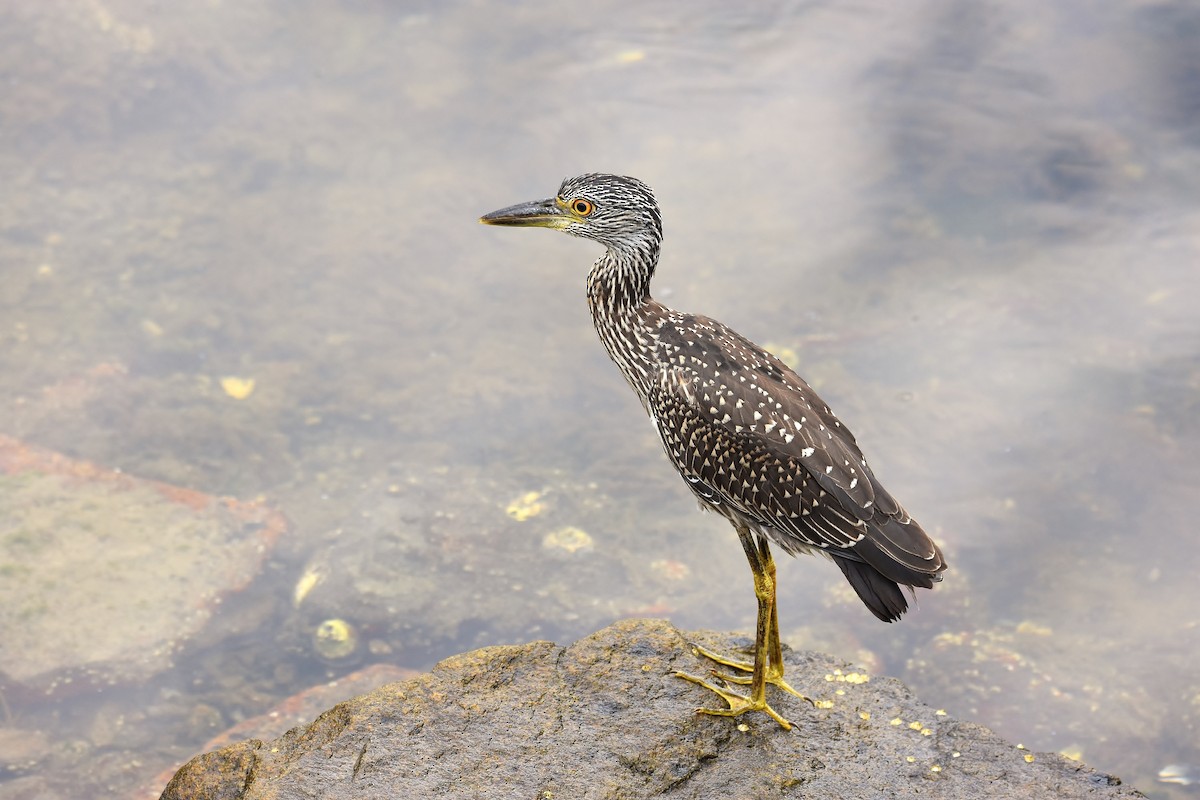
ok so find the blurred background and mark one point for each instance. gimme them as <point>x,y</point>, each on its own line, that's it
<point>239,258</point>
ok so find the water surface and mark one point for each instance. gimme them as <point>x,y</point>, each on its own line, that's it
<point>972,227</point>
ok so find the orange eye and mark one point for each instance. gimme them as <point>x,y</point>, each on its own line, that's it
<point>582,207</point>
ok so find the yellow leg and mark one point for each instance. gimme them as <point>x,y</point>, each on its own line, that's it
<point>768,656</point>
<point>774,674</point>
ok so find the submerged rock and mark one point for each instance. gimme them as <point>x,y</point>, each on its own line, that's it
<point>605,718</point>
<point>103,576</point>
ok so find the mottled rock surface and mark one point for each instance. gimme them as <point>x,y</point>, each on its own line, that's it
<point>296,710</point>
<point>604,718</point>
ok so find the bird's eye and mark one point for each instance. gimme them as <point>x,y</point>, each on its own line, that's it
<point>582,207</point>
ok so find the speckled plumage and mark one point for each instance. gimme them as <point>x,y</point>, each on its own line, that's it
<point>752,440</point>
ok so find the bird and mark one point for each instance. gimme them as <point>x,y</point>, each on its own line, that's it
<point>751,439</point>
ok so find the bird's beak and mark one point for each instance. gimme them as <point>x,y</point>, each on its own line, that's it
<point>537,214</point>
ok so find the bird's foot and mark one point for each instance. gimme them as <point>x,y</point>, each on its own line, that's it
<point>738,704</point>
<point>774,674</point>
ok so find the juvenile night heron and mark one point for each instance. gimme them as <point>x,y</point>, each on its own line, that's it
<point>752,440</point>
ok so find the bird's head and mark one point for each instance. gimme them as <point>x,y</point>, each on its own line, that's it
<point>619,212</point>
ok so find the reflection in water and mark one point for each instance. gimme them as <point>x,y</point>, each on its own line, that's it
<point>977,226</point>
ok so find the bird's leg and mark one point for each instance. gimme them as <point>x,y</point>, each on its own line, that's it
<point>768,662</point>
<point>774,672</point>
<point>774,650</point>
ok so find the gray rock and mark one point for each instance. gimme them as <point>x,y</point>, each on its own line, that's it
<point>604,718</point>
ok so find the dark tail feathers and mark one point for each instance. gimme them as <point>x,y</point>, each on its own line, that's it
<point>880,594</point>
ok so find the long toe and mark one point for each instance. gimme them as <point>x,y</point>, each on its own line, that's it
<point>741,666</point>
<point>738,704</point>
<point>777,680</point>
<point>745,666</point>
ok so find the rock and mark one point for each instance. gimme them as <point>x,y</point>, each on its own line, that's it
<point>307,705</point>
<point>295,710</point>
<point>103,576</point>
<point>604,718</point>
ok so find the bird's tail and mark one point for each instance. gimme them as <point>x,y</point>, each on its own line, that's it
<point>880,594</point>
<point>877,569</point>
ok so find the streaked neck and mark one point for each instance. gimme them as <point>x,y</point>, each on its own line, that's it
<point>618,291</point>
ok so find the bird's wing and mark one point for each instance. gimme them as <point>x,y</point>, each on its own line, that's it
<point>747,431</point>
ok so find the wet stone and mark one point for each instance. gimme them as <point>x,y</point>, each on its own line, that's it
<point>296,710</point>
<point>103,576</point>
<point>605,718</point>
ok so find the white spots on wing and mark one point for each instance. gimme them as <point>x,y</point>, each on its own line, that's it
<point>731,464</point>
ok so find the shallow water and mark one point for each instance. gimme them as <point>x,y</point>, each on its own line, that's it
<point>972,226</point>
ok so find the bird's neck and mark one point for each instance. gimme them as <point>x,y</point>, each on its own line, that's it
<point>618,292</point>
<point>619,283</point>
